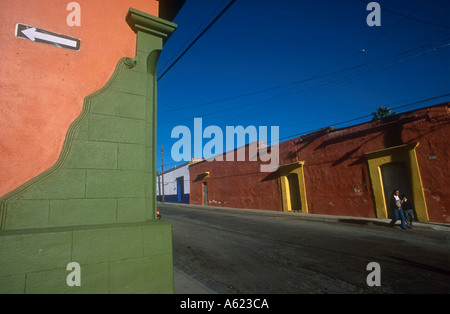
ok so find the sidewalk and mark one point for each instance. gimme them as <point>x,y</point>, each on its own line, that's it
<point>188,284</point>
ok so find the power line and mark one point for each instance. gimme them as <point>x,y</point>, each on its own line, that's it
<point>198,37</point>
<point>294,84</point>
<point>369,115</point>
<point>395,25</point>
<point>350,120</point>
<point>196,31</point>
<point>375,66</point>
<point>250,94</point>
<point>410,17</point>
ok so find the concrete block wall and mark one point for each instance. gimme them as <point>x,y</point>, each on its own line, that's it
<point>117,258</point>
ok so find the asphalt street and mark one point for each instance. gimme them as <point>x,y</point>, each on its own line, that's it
<point>262,252</point>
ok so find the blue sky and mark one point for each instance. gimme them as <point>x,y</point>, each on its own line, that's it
<point>300,65</point>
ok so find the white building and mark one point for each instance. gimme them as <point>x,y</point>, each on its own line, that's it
<point>176,185</point>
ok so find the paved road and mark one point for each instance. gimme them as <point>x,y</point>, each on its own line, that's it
<point>257,252</point>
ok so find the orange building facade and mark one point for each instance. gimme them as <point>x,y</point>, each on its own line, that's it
<point>42,87</point>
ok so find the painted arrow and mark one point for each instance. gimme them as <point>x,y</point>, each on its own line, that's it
<point>32,34</point>
<point>43,36</point>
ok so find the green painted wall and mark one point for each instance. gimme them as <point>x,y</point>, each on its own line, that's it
<point>96,206</point>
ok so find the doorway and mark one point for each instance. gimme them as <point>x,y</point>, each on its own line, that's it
<point>294,192</point>
<point>180,189</point>
<point>205,193</point>
<point>396,167</point>
<point>395,176</point>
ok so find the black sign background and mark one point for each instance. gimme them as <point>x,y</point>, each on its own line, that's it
<point>21,27</point>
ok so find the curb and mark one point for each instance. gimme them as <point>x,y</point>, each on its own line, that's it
<point>318,217</point>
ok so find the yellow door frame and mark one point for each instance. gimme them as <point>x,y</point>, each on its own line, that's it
<point>402,153</point>
<point>285,170</point>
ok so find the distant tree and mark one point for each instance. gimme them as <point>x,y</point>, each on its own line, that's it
<point>382,113</point>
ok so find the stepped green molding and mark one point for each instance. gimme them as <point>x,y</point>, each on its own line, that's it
<point>96,205</point>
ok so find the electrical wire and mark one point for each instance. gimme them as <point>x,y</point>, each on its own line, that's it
<point>190,38</point>
<point>375,66</point>
<point>197,38</point>
<point>410,17</point>
<point>292,136</point>
<point>293,83</point>
<point>369,115</point>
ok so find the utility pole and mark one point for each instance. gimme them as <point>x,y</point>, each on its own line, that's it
<point>162,171</point>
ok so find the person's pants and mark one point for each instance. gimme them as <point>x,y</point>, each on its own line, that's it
<point>409,216</point>
<point>399,213</point>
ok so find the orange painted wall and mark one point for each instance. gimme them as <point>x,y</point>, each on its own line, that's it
<point>42,87</point>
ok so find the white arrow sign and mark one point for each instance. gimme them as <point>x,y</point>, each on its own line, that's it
<point>47,37</point>
<point>32,34</point>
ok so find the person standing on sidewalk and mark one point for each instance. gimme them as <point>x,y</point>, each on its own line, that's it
<point>398,211</point>
<point>408,210</point>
